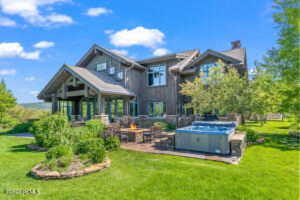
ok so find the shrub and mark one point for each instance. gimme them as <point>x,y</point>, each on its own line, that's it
<point>59,156</point>
<point>95,127</point>
<point>251,135</point>
<point>6,121</point>
<point>22,128</point>
<point>58,152</point>
<point>97,154</point>
<point>87,145</point>
<point>112,143</point>
<point>92,149</point>
<point>51,130</point>
<point>162,125</point>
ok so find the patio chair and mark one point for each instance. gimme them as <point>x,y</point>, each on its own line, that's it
<point>147,137</point>
<point>156,131</point>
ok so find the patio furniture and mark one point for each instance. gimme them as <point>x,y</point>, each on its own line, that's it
<point>156,131</point>
<point>123,137</point>
<point>147,137</point>
<point>134,135</point>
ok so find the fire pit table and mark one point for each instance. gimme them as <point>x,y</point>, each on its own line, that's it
<point>135,134</point>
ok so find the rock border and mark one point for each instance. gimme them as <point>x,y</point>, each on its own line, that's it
<point>36,147</point>
<point>41,174</point>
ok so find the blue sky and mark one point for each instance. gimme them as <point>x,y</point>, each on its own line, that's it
<point>38,36</point>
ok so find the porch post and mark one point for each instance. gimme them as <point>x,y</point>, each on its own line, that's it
<point>54,104</point>
<point>101,109</point>
<point>126,106</point>
<point>116,107</point>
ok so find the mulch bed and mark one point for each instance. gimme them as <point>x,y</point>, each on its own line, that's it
<point>75,170</point>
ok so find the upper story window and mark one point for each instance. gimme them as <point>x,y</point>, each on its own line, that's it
<point>112,70</point>
<point>157,75</point>
<point>120,75</point>
<point>101,67</point>
<point>204,69</point>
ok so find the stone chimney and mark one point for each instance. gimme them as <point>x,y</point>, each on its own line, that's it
<point>236,44</point>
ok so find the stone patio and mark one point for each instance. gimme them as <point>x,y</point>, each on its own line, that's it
<point>153,148</point>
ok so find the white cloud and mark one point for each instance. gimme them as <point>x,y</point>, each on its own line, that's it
<point>34,92</point>
<point>59,18</point>
<point>29,10</point>
<point>120,52</point>
<point>137,36</point>
<point>15,49</point>
<point>93,12</point>
<point>44,44</point>
<point>7,22</point>
<point>160,52</point>
<point>4,72</point>
<point>30,78</point>
<point>109,31</point>
<point>35,55</point>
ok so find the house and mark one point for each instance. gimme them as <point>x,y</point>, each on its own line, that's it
<point>108,85</point>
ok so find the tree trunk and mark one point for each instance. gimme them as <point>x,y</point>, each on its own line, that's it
<point>242,119</point>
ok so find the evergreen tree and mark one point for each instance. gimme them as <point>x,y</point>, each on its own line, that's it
<point>7,100</point>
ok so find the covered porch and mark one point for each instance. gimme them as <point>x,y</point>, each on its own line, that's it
<point>81,108</point>
<point>83,94</point>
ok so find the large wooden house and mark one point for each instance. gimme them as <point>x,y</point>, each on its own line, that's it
<point>108,85</point>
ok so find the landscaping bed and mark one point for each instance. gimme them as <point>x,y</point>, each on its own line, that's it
<point>77,168</point>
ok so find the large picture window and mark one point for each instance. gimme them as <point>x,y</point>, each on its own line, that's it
<point>157,75</point>
<point>156,109</point>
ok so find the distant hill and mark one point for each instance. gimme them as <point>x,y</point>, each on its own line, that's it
<point>37,106</point>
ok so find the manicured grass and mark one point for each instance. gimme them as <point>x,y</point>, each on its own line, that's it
<point>268,171</point>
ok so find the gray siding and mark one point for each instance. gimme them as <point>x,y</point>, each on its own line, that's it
<point>165,93</point>
<point>109,60</point>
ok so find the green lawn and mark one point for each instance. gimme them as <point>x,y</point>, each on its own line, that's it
<point>268,171</point>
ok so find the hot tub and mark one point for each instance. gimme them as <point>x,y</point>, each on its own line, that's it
<point>203,136</point>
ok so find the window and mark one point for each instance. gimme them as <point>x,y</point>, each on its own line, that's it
<point>205,69</point>
<point>111,70</point>
<point>133,108</point>
<point>157,75</point>
<point>101,67</point>
<point>156,109</point>
<point>120,75</point>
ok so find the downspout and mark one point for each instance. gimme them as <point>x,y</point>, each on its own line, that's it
<point>175,73</point>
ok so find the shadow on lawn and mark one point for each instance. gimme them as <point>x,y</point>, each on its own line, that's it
<point>21,148</point>
<point>282,142</point>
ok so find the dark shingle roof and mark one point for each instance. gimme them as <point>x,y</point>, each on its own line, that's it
<point>238,53</point>
<point>103,83</point>
<point>97,81</point>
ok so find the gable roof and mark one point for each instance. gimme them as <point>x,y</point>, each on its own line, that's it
<point>190,58</point>
<point>238,53</point>
<point>121,58</point>
<point>97,81</point>
<point>225,56</point>
<point>178,55</point>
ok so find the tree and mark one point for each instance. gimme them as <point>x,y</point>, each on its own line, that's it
<point>7,100</point>
<point>283,62</point>
<point>223,92</point>
<point>265,97</point>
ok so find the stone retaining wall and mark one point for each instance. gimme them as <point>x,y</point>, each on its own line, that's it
<point>69,174</point>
